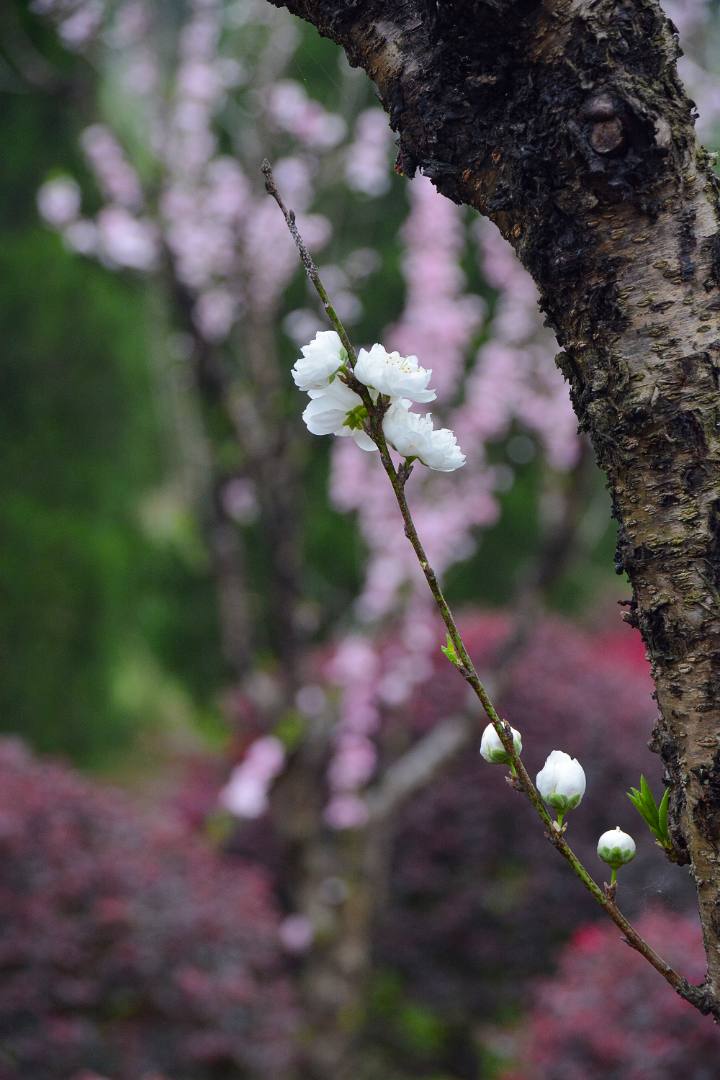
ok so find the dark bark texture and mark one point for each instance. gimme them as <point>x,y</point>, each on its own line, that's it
<point>564,122</point>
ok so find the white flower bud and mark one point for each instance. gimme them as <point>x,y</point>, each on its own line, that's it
<point>493,750</point>
<point>561,781</point>
<point>615,848</point>
<point>319,361</point>
<point>393,374</point>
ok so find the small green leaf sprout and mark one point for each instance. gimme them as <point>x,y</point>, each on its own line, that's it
<point>653,814</point>
<point>448,650</point>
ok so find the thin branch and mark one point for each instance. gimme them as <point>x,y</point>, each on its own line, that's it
<point>308,261</point>
<point>430,756</point>
<point>605,897</point>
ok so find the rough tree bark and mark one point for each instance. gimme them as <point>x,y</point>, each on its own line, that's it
<point>564,122</point>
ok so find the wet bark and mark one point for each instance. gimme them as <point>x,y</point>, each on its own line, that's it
<point>564,122</point>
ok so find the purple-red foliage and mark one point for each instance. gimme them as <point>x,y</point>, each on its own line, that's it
<point>479,900</point>
<point>126,947</point>
<point>607,1013</point>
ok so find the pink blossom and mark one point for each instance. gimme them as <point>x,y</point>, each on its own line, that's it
<point>78,21</point>
<point>240,501</point>
<point>59,201</point>
<point>353,762</point>
<point>265,757</point>
<point>367,165</point>
<point>81,236</point>
<point>296,933</point>
<point>355,658</point>
<point>117,178</point>
<point>311,700</point>
<point>126,240</point>
<point>346,812</point>
<point>306,120</point>
<point>244,796</point>
<point>246,792</point>
<point>215,312</point>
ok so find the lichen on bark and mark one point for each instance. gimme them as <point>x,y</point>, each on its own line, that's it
<point>564,121</point>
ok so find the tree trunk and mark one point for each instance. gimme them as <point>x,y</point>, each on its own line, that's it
<point>564,122</point>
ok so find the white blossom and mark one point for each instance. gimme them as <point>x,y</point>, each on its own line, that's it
<point>393,374</point>
<point>493,750</point>
<point>616,847</point>
<point>413,435</point>
<point>561,781</point>
<point>319,361</point>
<point>328,413</point>
<point>444,454</point>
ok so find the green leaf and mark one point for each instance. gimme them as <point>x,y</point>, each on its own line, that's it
<point>290,729</point>
<point>635,797</point>
<point>654,816</point>
<point>356,418</point>
<point>449,650</point>
<point>647,812</point>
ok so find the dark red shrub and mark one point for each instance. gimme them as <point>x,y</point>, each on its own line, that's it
<point>479,901</point>
<point>127,949</point>
<point>608,1014</point>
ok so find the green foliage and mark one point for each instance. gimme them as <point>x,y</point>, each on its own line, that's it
<point>290,730</point>
<point>417,1027</point>
<point>73,453</point>
<point>356,418</point>
<point>86,592</point>
<point>448,650</point>
<point>655,815</point>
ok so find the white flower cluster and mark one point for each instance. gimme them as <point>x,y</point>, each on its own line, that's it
<point>561,783</point>
<point>335,409</point>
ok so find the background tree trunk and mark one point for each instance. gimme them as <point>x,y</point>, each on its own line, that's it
<point>565,123</point>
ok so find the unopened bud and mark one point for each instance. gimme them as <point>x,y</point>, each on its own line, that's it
<point>493,750</point>
<point>616,848</point>
<point>561,781</point>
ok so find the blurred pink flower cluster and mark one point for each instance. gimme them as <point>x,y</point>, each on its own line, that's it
<point>224,238</point>
<point>78,21</point>
<point>509,382</point>
<point>512,381</point>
